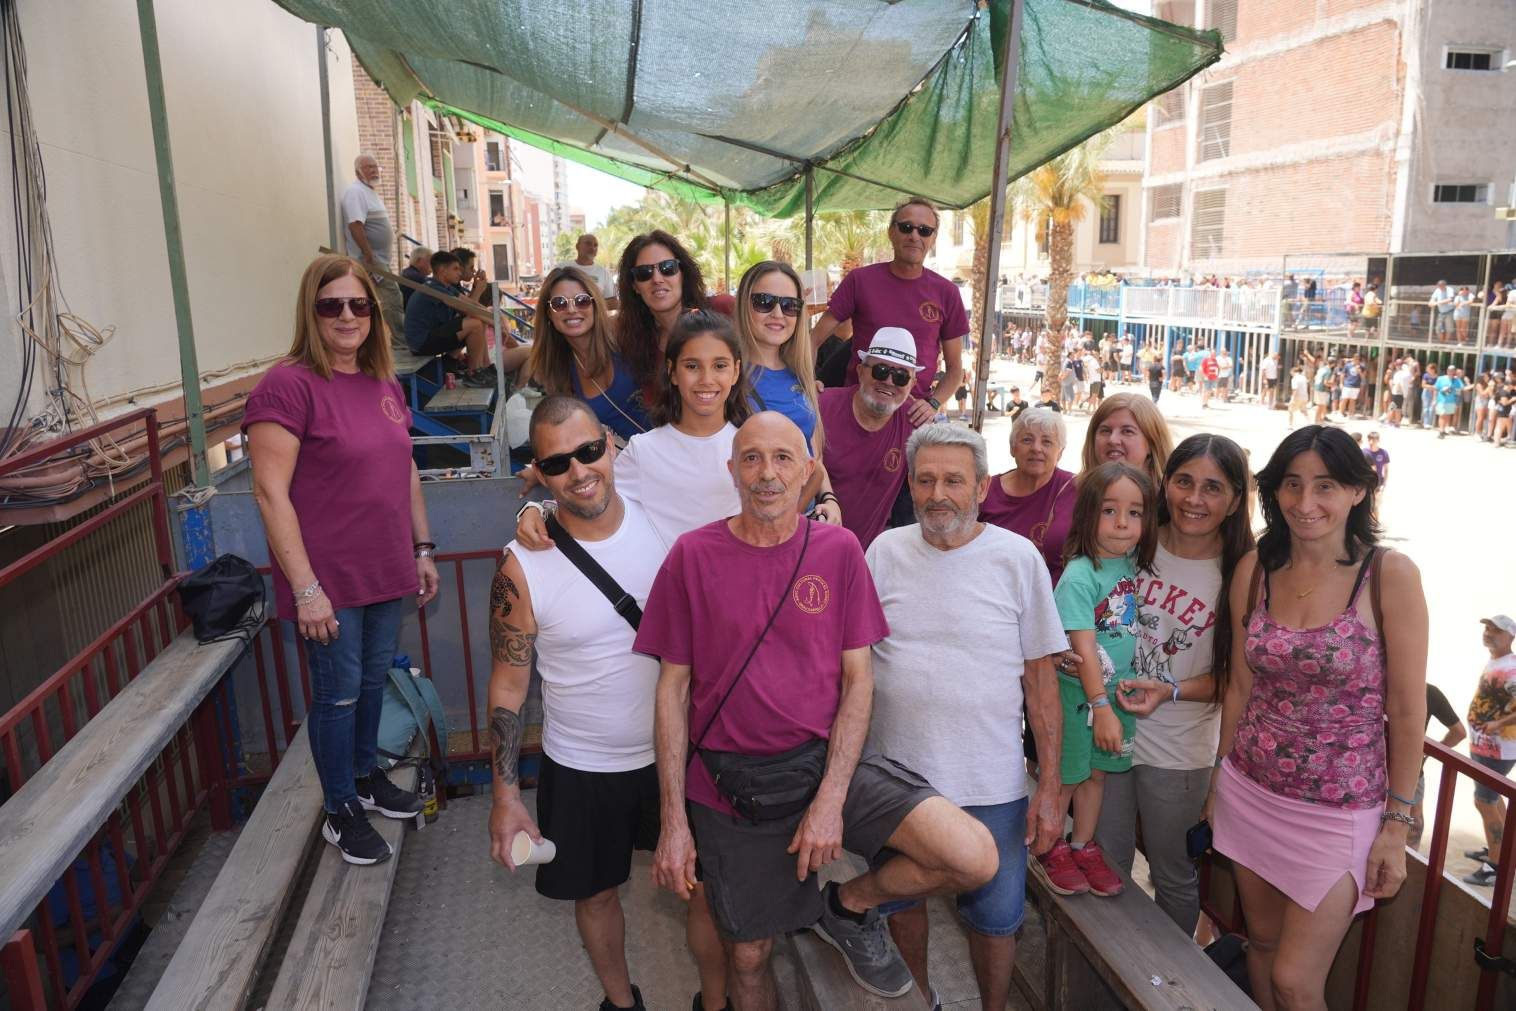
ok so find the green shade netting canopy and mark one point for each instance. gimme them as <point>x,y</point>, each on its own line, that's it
<point>733,100</point>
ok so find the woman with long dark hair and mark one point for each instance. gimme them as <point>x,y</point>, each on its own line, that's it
<point>658,281</point>
<point>573,352</point>
<point>1322,722</point>
<point>1184,645</point>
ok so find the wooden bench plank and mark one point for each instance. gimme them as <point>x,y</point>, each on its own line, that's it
<point>337,935</point>
<point>1125,942</point>
<point>407,364</point>
<point>51,818</point>
<point>826,984</point>
<point>217,963</point>
<point>462,398</point>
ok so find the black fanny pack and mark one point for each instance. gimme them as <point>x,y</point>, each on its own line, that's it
<point>768,787</point>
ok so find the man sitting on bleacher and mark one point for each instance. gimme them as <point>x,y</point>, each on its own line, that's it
<point>432,327</point>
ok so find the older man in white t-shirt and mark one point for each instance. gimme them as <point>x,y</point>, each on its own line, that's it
<point>950,686</point>
<point>597,796</point>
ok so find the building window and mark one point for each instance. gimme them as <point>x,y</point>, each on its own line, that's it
<point>501,254</point>
<point>1044,235</point>
<point>1164,202</point>
<point>1110,218</point>
<point>1216,121</point>
<point>1461,193</point>
<point>1168,108</point>
<point>497,208</point>
<point>1472,59</point>
<point>958,228</point>
<point>1223,18</point>
<point>1207,224</point>
<point>493,159</point>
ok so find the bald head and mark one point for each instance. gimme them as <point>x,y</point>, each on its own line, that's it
<point>770,466</point>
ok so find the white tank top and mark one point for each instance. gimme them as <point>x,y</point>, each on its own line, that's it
<point>597,695</point>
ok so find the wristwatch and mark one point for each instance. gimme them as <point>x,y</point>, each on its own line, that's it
<point>936,404</point>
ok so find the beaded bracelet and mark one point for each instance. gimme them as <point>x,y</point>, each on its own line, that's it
<point>1404,819</point>
<point>308,594</point>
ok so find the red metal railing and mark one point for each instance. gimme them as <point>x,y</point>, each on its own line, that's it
<point>119,865</point>
<point>1453,765</point>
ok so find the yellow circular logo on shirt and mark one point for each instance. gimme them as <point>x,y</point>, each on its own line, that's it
<point>811,594</point>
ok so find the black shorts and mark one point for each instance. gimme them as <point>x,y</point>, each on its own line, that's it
<point>1397,400</point>
<point>595,819</point>
<point>750,879</point>
<point>1097,388</point>
<point>442,338</point>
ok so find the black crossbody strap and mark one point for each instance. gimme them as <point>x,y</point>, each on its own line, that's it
<point>784,595</point>
<point>624,603</point>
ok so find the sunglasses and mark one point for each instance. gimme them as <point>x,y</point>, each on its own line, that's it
<point>763,304</point>
<point>561,303</point>
<point>900,377</point>
<point>906,228</point>
<point>331,308</point>
<point>644,271</point>
<point>558,463</point>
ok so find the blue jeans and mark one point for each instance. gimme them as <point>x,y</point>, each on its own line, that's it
<point>347,693</point>
<point>1426,407</point>
<point>996,908</point>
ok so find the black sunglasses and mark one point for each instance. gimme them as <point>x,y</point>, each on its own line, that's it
<point>906,228</point>
<point>644,271</point>
<point>558,463</point>
<point>331,308</point>
<point>764,303</point>
<point>560,303</point>
<point>900,377</point>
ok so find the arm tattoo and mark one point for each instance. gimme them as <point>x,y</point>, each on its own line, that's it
<point>509,644</point>
<point>505,728</point>
<point>502,589</point>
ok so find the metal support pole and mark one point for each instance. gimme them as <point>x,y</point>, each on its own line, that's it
<point>502,447</point>
<point>326,138</point>
<point>810,214</point>
<point>726,270</point>
<point>189,366</point>
<point>1008,73</point>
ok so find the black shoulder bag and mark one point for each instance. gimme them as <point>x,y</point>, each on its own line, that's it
<point>765,787</point>
<point>624,603</point>
<point>220,600</point>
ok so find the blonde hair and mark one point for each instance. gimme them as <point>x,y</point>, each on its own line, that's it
<point>796,352</point>
<point>551,362</point>
<point>1155,432</point>
<point>308,349</point>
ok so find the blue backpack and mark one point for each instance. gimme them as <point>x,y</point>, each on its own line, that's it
<point>411,708</point>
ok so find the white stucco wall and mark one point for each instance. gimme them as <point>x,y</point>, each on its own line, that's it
<point>243,99</point>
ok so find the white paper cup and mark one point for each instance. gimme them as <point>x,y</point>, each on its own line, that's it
<point>525,852</point>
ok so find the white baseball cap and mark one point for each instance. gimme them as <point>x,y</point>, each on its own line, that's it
<point>893,344</point>
<point>1503,622</point>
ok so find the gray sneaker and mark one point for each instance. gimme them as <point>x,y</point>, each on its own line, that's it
<point>867,949</point>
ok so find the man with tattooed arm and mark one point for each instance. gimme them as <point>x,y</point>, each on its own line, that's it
<point>597,797</point>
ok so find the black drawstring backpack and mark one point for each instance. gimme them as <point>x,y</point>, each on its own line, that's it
<point>224,599</point>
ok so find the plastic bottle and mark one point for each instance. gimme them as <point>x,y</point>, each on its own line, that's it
<point>427,787</point>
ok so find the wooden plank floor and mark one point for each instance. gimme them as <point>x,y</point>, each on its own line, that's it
<point>337,935</point>
<point>217,964</point>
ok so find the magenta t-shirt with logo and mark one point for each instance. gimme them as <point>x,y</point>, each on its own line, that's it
<point>928,306</point>
<point>352,483</point>
<point>866,468</point>
<point>708,603</point>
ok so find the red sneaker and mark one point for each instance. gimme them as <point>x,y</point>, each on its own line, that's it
<point>1091,863</point>
<point>1057,869</point>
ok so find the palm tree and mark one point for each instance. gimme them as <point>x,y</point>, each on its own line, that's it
<point>1060,193</point>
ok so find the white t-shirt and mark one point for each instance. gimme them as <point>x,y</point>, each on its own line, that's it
<point>1300,387</point>
<point>1223,366</point>
<point>1176,618</point>
<point>597,695</point>
<point>1269,368</point>
<point>361,203</point>
<point>947,680</point>
<point>602,277</point>
<point>681,481</point>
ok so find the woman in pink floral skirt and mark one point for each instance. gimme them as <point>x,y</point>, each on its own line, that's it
<point>1313,792</point>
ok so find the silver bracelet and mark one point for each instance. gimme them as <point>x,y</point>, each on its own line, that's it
<point>1404,819</point>
<point>308,594</point>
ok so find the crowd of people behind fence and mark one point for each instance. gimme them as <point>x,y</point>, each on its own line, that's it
<point>776,619</point>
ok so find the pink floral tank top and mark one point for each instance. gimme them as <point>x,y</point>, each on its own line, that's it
<point>1313,728</point>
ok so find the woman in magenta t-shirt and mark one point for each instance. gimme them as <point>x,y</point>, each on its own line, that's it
<point>329,437</point>
<point>1035,498</point>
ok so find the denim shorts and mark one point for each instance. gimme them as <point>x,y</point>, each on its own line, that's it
<point>1483,793</point>
<point>995,908</point>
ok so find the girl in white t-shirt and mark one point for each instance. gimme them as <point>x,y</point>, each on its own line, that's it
<point>1182,661</point>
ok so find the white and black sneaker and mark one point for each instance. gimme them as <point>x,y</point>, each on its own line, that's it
<point>377,793</point>
<point>348,829</point>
